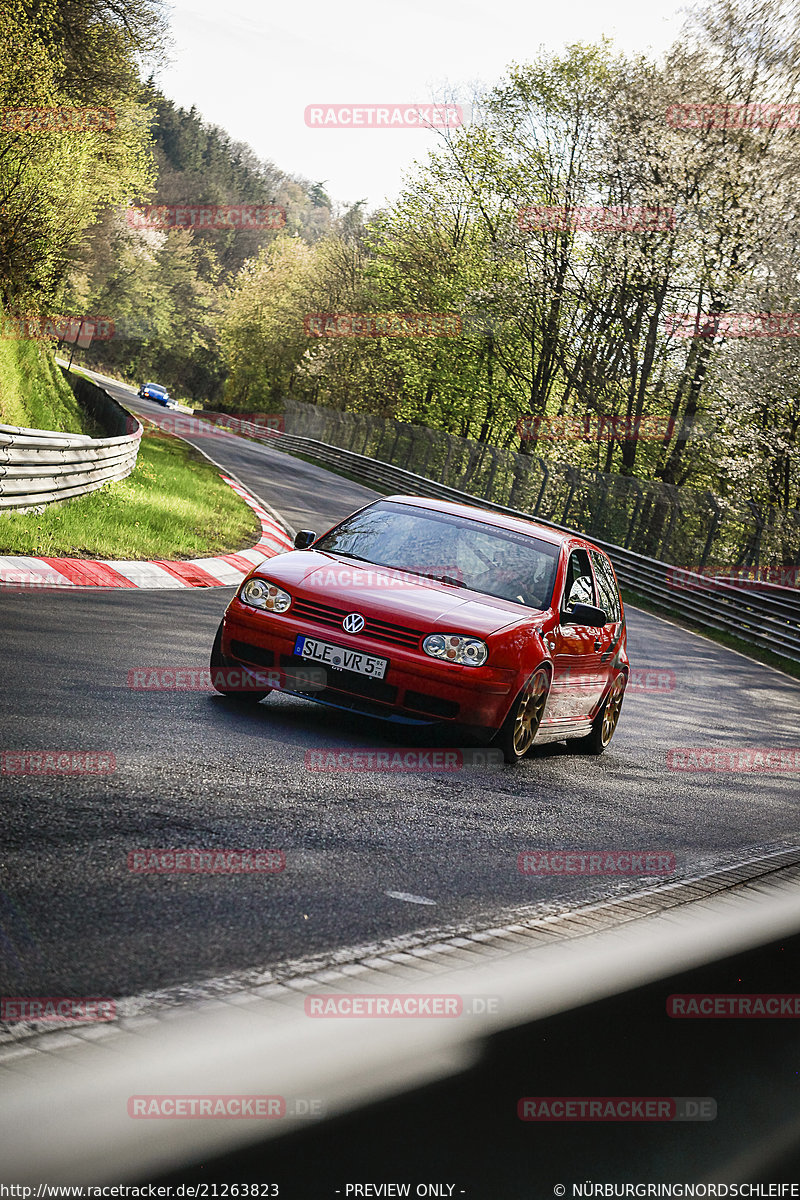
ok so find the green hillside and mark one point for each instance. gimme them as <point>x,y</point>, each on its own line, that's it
<point>34,393</point>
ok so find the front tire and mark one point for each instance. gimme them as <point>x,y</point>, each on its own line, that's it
<point>604,723</point>
<point>221,667</point>
<point>517,733</point>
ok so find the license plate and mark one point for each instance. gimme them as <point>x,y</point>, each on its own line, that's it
<point>340,658</point>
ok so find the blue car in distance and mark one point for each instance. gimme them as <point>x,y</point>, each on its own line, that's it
<point>155,391</point>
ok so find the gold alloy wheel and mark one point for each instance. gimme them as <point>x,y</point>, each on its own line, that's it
<point>612,709</point>
<point>530,709</point>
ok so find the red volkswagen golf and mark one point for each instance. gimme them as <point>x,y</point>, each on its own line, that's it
<point>424,612</point>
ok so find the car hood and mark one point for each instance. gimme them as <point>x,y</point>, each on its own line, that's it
<point>392,595</point>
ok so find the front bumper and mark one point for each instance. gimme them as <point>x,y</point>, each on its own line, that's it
<point>416,687</point>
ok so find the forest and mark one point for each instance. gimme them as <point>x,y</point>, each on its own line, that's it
<point>599,267</point>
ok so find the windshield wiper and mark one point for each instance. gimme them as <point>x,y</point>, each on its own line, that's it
<point>346,554</point>
<point>448,579</point>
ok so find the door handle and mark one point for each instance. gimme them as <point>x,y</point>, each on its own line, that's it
<point>597,643</point>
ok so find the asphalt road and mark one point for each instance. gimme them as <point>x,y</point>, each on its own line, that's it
<point>305,496</point>
<point>193,770</point>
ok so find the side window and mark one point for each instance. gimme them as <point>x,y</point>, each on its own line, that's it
<point>607,586</point>
<point>579,585</point>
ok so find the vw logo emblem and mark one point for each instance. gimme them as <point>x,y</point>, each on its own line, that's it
<point>353,623</point>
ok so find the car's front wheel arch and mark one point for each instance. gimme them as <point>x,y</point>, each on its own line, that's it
<point>516,735</point>
<point>221,666</point>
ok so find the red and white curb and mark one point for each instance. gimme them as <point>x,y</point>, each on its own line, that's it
<point>226,570</point>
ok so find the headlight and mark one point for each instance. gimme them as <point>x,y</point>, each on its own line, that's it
<point>453,647</point>
<point>260,593</point>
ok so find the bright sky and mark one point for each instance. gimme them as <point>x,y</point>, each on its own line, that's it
<point>253,68</point>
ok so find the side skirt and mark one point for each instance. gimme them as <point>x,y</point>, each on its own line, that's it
<point>558,731</point>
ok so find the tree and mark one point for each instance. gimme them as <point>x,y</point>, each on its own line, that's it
<point>55,183</point>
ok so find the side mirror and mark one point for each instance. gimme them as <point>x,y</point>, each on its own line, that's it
<point>585,614</point>
<point>304,538</point>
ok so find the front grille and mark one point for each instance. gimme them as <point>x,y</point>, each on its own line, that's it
<point>433,705</point>
<point>254,654</point>
<point>343,681</point>
<point>384,631</point>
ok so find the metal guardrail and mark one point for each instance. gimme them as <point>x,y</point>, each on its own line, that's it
<point>40,466</point>
<point>771,621</point>
<point>671,523</point>
<point>251,429</point>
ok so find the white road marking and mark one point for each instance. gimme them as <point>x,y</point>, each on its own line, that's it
<point>408,896</point>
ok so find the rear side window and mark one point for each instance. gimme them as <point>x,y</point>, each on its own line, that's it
<point>606,586</point>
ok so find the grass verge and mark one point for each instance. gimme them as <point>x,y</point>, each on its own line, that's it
<point>173,505</point>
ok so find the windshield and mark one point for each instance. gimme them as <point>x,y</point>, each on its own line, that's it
<point>464,552</point>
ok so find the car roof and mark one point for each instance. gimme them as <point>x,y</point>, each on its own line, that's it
<point>160,386</point>
<point>502,520</point>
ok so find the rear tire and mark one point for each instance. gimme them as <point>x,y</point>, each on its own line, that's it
<point>221,666</point>
<point>604,723</point>
<point>516,735</point>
